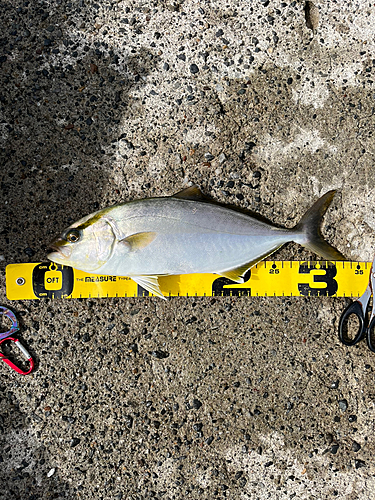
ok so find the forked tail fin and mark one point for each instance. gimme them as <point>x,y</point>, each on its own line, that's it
<point>309,229</point>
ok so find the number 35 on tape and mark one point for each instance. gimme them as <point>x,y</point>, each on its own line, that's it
<point>266,279</point>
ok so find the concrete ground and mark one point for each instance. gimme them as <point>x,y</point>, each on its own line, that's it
<point>108,101</point>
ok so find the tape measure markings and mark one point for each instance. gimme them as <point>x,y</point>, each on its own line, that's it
<point>266,279</point>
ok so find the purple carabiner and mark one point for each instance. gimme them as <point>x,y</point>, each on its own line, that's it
<point>9,314</point>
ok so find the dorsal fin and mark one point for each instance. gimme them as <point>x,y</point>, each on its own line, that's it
<point>191,193</point>
<point>195,194</point>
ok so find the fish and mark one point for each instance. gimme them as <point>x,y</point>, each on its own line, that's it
<point>182,234</point>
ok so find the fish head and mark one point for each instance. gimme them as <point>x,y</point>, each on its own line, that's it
<point>85,245</point>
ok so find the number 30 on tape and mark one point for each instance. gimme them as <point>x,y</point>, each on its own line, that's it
<point>268,278</point>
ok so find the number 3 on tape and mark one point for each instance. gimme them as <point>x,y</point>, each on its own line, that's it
<point>323,283</point>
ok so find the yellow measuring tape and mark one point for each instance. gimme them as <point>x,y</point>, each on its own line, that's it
<point>266,279</point>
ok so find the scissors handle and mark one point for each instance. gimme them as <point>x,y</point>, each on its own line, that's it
<point>356,309</point>
<point>371,335</point>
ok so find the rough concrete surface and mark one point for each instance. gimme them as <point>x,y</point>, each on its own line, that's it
<point>201,398</point>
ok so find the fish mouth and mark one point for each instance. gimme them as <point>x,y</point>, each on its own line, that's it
<point>59,251</point>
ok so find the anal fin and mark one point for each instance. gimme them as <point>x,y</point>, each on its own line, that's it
<point>149,283</point>
<point>237,273</point>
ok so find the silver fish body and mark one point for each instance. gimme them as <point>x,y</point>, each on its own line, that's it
<point>179,235</point>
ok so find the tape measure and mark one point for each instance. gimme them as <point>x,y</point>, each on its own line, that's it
<point>266,279</point>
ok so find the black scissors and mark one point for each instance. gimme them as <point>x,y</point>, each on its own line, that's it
<point>358,308</point>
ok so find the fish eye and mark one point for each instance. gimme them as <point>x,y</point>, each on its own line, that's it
<point>73,236</point>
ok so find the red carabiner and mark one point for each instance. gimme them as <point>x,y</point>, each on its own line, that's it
<point>24,352</point>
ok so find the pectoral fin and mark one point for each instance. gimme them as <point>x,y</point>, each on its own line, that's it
<point>139,240</point>
<point>149,283</point>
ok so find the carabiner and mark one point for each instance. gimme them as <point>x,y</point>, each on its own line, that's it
<point>24,352</point>
<point>10,314</point>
